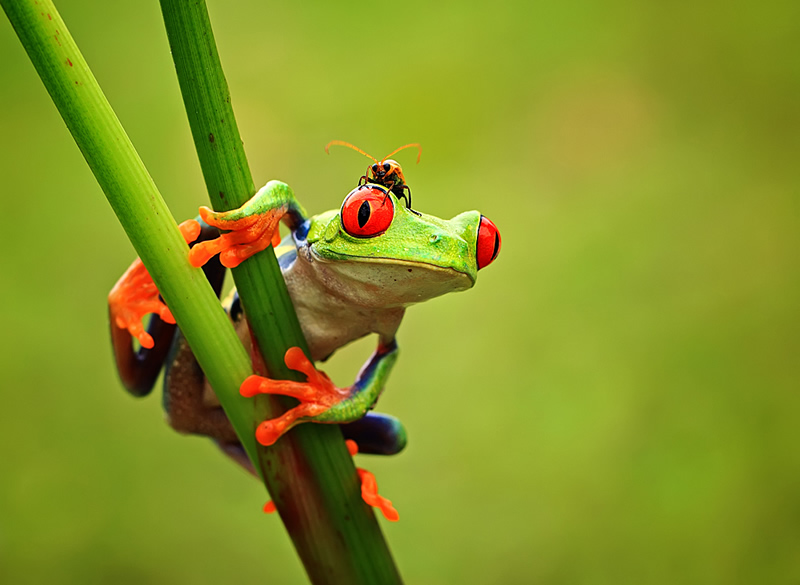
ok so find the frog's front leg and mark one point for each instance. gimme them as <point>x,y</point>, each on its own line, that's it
<point>320,400</point>
<point>252,227</point>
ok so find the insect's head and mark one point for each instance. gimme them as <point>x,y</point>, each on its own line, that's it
<point>384,169</point>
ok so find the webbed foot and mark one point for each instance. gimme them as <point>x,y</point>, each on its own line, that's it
<point>369,490</point>
<point>135,295</point>
<point>247,235</point>
<point>317,396</point>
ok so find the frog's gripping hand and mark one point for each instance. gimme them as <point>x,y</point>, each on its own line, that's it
<point>135,295</point>
<point>251,228</point>
<point>320,400</point>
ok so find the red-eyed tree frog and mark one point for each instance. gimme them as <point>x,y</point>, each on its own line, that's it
<point>350,272</point>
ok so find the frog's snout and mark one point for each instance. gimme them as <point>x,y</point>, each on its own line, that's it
<point>488,242</point>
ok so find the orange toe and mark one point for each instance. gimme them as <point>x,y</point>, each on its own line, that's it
<point>369,493</point>
<point>245,237</point>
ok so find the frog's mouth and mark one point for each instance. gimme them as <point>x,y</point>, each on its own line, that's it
<point>391,280</point>
<point>393,261</point>
<point>409,263</point>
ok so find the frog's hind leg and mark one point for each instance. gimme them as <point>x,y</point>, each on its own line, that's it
<point>369,489</point>
<point>374,434</point>
<point>377,434</point>
<point>189,401</point>
<point>191,406</point>
<point>138,369</point>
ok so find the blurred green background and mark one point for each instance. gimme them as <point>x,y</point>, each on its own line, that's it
<point>616,401</point>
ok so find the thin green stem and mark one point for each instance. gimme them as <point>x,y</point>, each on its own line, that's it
<point>309,473</point>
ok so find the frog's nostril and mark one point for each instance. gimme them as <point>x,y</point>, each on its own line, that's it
<point>488,242</point>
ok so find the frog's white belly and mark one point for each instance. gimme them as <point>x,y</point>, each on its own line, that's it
<point>328,319</point>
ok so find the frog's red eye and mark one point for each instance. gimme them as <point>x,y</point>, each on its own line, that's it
<point>488,243</point>
<point>367,212</point>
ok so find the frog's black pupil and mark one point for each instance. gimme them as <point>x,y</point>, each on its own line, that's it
<point>374,168</point>
<point>363,213</point>
<point>496,245</point>
<point>386,167</point>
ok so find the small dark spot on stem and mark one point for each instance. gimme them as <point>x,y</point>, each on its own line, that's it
<point>69,62</point>
<point>409,270</point>
<point>49,17</point>
<point>211,137</point>
<point>222,195</point>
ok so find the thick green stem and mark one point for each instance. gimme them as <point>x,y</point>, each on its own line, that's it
<point>136,201</point>
<point>309,473</point>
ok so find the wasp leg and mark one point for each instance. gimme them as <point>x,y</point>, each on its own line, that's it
<point>404,192</point>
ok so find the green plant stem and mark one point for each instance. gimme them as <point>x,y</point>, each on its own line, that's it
<point>136,201</point>
<point>309,473</point>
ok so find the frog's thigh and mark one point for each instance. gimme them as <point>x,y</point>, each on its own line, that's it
<point>377,434</point>
<point>186,398</point>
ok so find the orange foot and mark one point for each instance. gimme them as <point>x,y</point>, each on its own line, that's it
<point>247,236</point>
<point>135,294</point>
<point>316,395</point>
<point>369,491</point>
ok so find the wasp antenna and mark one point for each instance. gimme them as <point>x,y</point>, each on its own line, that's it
<point>347,144</point>
<point>419,153</point>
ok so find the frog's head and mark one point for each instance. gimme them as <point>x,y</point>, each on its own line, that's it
<point>379,253</point>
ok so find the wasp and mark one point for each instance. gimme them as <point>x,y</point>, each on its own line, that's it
<point>385,172</point>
